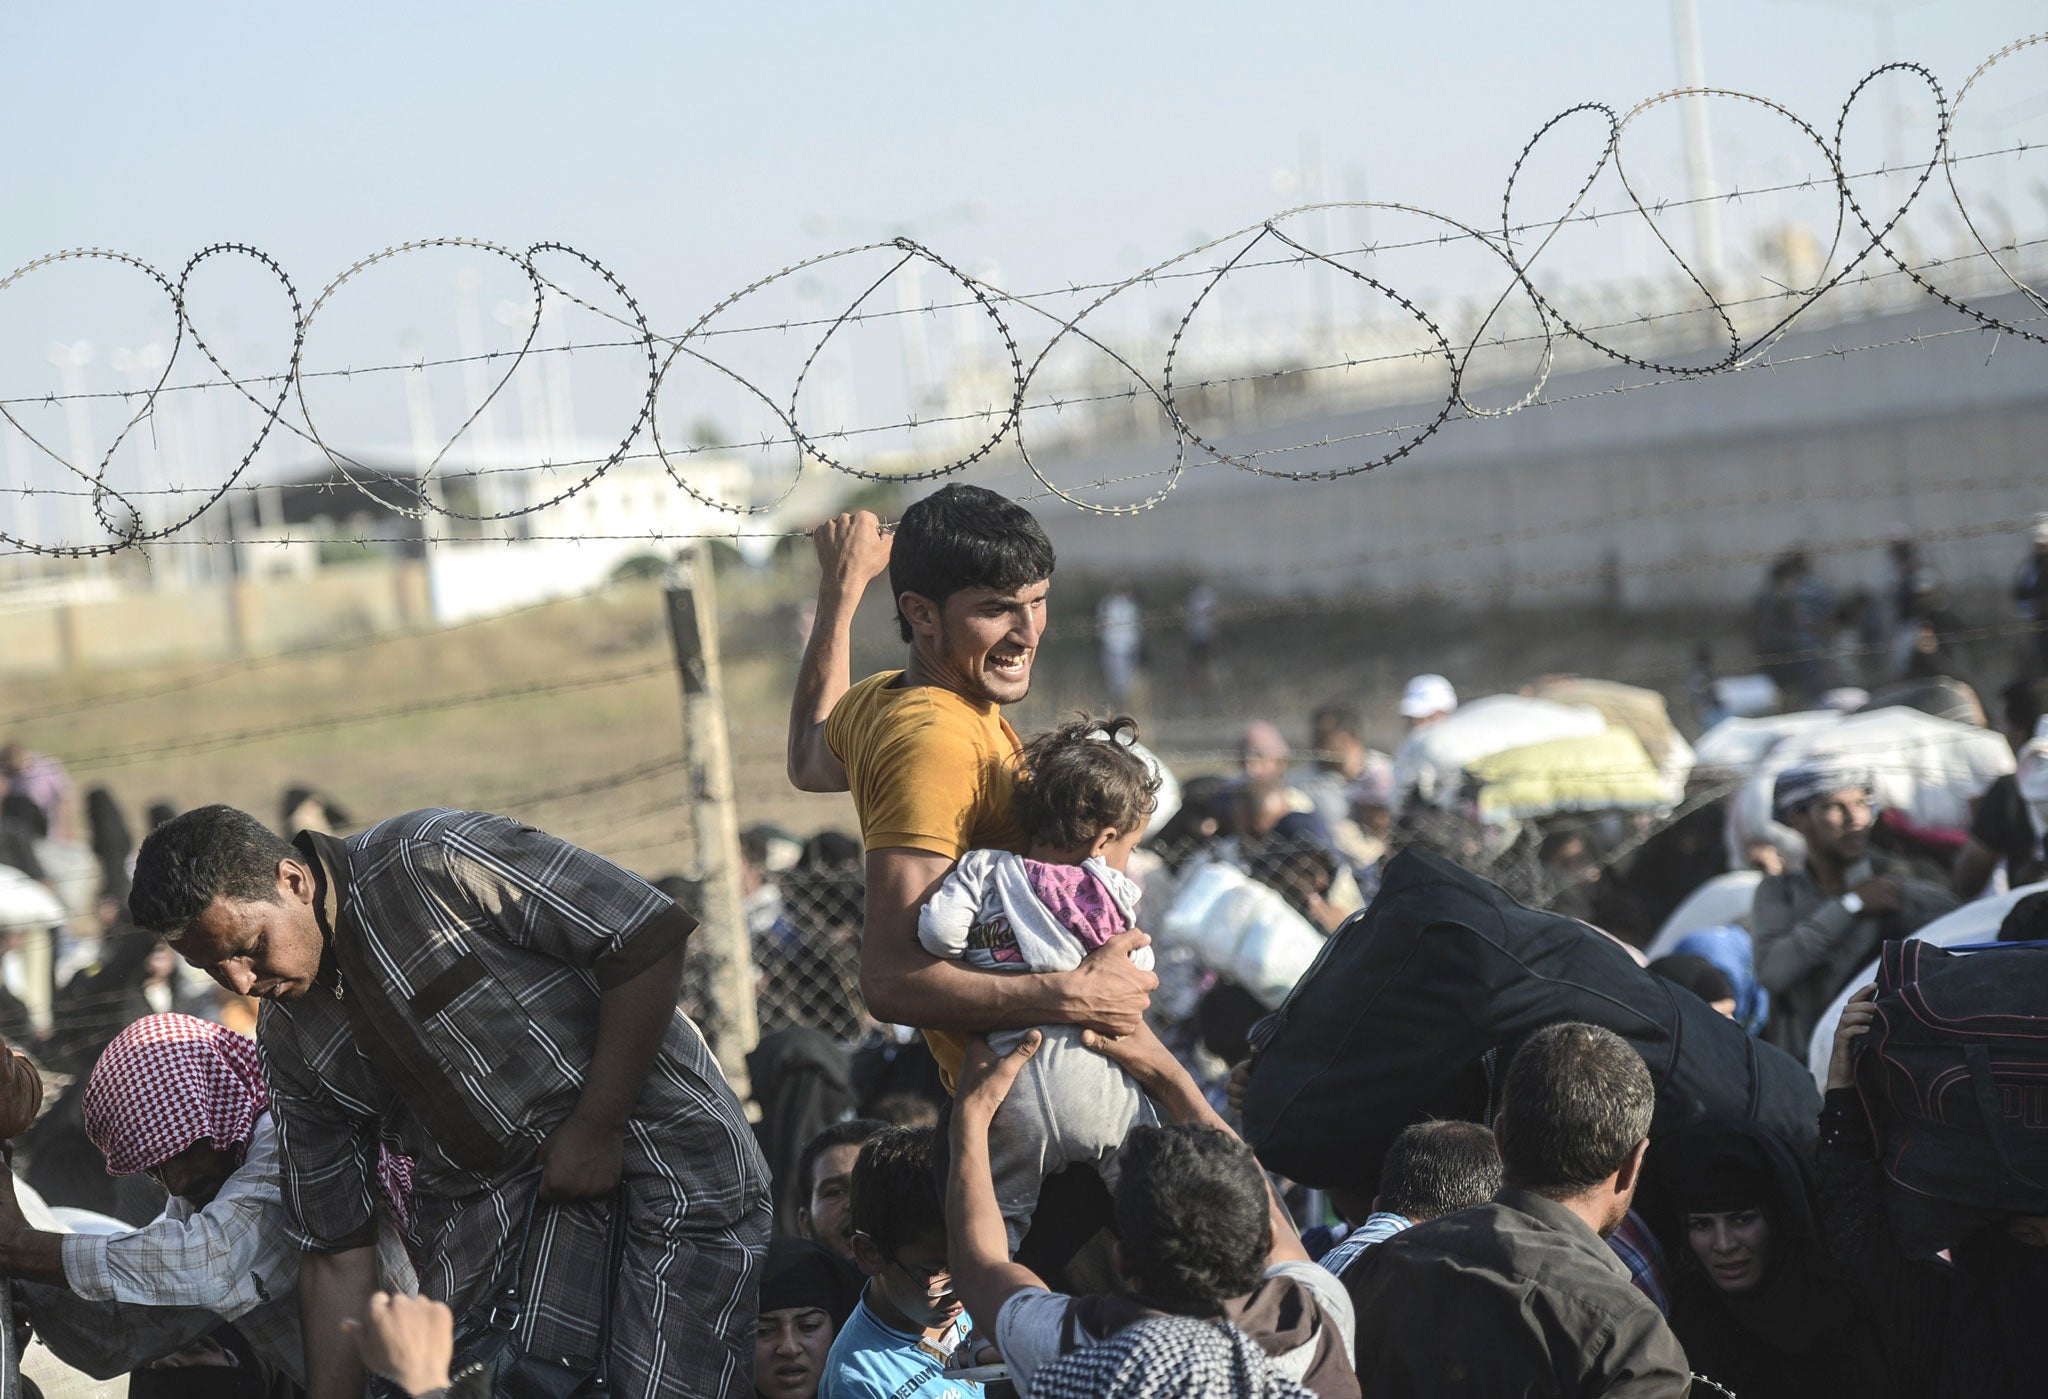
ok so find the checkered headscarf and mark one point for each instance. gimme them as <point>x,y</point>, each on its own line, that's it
<point>1169,1356</point>
<point>168,1082</point>
<point>1799,787</point>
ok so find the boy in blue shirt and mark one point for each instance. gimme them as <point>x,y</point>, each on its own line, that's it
<point>902,1337</point>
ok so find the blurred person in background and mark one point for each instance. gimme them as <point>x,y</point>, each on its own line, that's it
<point>1818,926</point>
<point>1427,699</point>
<point>1120,634</point>
<point>2008,827</point>
<point>43,780</point>
<point>1199,628</point>
<point>2030,594</point>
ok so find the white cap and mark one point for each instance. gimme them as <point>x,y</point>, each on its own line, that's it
<point>1427,695</point>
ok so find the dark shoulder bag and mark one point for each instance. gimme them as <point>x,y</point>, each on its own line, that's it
<point>512,1373</point>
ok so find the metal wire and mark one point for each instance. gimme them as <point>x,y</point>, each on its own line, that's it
<point>1518,244</point>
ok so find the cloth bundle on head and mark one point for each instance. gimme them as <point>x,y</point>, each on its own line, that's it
<point>169,1082</point>
<point>801,1275</point>
<point>1172,1357</point>
<point>1805,783</point>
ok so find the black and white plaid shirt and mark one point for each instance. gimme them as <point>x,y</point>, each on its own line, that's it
<point>455,1019</point>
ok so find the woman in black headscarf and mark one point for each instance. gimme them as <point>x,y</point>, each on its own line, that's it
<point>1758,1304</point>
<point>806,1297</point>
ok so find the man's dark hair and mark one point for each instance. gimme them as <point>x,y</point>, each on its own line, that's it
<point>853,1132</point>
<point>1333,720</point>
<point>1434,1168</point>
<point>1576,1101</point>
<point>1192,1212</point>
<point>895,1189</point>
<point>965,537</point>
<point>214,852</point>
<point>2027,920</point>
<point>1695,974</point>
<point>2025,701</point>
<point>1073,784</point>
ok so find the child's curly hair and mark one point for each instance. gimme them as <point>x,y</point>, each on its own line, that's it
<point>1080,779</point>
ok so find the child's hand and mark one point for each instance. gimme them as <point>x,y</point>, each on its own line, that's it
<point>1139,1054</point>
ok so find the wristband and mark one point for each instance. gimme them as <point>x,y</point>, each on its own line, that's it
<point>1853,901</point>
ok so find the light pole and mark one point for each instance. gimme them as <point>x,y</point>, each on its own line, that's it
<point>1699,149</point>
<point>71,361</point>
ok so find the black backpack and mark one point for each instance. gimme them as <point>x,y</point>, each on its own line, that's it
<point>1418,1001</point>
<point>1954,1076</point>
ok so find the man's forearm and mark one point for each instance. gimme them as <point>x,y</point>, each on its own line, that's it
<point>934,994</point>
<point>34,1256</point>
<point>984,1277</point>
<point>631,1020</point>
<point>334,1287</point>
<point>822,679</point>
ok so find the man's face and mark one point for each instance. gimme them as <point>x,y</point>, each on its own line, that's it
<point>916,1279</point>
<point>790,1346</point>
<point>1837,826</point>
<point>196,1174</point>
<point>269,948</point>
<point>982,641</point>
<point>827,1219</point>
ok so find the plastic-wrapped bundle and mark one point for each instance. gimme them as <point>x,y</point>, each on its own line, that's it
<point>1433,760</point>
<point>1239,928</point>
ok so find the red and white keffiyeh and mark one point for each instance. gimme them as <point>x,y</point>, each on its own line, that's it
<point>168,1082</point>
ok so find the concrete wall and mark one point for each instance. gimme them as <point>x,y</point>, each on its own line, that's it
<point>246,617</point>
<point>1666,496</point>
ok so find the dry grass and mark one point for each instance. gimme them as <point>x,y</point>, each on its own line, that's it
<point>580,690</point>
<point>585,689</point>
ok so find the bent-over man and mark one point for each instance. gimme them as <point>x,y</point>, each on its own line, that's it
<point>502,1005</point>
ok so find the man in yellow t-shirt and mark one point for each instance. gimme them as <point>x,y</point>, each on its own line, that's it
<point>930,759</point>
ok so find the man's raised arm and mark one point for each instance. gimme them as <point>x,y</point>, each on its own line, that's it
<point>852,552</point>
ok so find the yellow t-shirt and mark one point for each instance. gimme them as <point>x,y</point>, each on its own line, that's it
<point>929,770</point>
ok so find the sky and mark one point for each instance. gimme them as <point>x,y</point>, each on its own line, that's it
<point>693,148</point>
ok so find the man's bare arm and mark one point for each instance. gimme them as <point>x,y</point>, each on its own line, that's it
<point>1179,1098</point>
<point>852,551</point>
<point>905,985</point>
<point>978,1248</point>
<point>333,1286</point>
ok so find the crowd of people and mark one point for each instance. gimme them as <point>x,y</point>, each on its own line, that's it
<point>474,1141</point>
